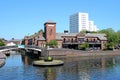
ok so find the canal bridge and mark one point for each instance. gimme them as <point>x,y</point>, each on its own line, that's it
<point>16,47</point>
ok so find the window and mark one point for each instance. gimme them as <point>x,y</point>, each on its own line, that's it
<point>80,40</point>
<point>50,31</point>
<point>72,40</point>
<point>64,40</point>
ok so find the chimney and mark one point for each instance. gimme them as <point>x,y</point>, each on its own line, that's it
<point>65,31</point>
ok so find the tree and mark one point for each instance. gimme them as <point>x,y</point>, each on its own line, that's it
<point>83,46</point>
<point>112,36</point>
<point>83,31</point>
<point>109,32</point>
<point>106,45</point>
<point>40,31</point>
<point>109,45</point>
<point>118,33</point>
<point>2,43</point>
<point>52,43</point>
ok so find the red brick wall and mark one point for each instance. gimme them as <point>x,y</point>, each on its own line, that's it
<point>102,44</point>
<point>50,31</point>
<point>41,43</point>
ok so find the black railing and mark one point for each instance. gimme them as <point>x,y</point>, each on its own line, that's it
<point>80,42</point>
<point>93,42</point>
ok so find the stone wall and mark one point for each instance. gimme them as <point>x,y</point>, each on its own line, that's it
<point>2,59</point>
<point>80,53</point>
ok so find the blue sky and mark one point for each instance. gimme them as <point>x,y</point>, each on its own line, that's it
<point>25,17</point>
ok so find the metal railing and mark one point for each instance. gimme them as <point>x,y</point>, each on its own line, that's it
<point>28,46</point>
<point>6,47</point>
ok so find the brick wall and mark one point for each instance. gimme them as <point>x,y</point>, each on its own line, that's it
<point>50,31</point>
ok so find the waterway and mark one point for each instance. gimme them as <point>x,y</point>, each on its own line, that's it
<point>19,67</point>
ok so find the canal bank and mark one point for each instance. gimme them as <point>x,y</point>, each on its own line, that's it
<point>2,59</point>
<point>2,62</point>
<point>80,53</point>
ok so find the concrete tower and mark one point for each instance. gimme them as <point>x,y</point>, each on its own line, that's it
<point>79,22</point>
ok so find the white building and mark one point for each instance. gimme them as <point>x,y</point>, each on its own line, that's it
<point>92,27</point>
<point>10,44</point>
<point>80,21</point>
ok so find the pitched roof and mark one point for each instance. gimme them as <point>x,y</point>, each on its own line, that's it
<point>100,36</point>
<point>41,38</point>
<point>59,35</point>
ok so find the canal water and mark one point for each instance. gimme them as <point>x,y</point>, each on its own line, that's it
<point>19,67</point>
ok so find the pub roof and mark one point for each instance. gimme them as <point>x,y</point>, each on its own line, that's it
<point>100,36</point>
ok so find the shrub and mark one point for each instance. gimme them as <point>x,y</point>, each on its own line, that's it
<point>48,59</point>
<point>83,46</point>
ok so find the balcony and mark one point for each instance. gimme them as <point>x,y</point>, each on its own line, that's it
<point>94,42</point>
<point>80,42</point>
<point>72,42</point>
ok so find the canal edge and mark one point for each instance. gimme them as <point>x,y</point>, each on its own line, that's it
<point>2,59</point>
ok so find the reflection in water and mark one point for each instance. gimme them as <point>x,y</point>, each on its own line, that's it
<point>75,68</point>
<point>85,68</point>
<point>50,74</point>
<point>26,60</point>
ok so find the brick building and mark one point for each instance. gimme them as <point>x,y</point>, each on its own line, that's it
<point>65,40</point>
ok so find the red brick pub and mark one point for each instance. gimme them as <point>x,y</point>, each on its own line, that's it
<point>65,40</point>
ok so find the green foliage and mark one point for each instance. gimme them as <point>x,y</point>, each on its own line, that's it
<point>93,32</point>
<point>52,43</point>
<point>48,58</point>
<point>83,31</point>
<point>40,31</point>
<point>112,36</point>
<point>118,33</point>
<point>2,43</point>
<point>109,45</point>
<point>83,46</point>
